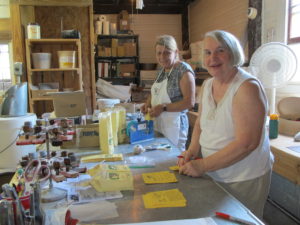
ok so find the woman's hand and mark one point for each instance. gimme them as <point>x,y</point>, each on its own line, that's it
<point>193,168</point>
<point>145,108</point>
<point>156,110</point>
<point>184,158</point>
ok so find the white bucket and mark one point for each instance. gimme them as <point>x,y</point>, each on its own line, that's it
<point>41,60</point>
<point>9,131</point>
<point>66,59</point>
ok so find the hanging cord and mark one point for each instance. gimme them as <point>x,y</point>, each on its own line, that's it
<point>3,150</point>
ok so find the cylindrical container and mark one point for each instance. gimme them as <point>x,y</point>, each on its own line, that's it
<point>113,28</point>
<point>33,31</point>
<point>66,59</point>
<point>41,60</point>
<point>98,27</point>
<point>106,27</point>
<point>273,126</point>
<point>9,130</point>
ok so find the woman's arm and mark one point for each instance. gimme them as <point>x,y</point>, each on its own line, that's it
<point>147,104</point>
<point>194,147</point>
<point>248,116</point>
<point>187,87</point>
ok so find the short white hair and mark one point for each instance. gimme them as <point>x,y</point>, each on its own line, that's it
<point>231,43</point>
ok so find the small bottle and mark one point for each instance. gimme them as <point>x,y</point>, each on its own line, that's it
<point>273,126</point>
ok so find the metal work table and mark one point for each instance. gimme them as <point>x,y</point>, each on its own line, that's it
<point>204,197</point>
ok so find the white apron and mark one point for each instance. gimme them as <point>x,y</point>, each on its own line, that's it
<point>167,123</point>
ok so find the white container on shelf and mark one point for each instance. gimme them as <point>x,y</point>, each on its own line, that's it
<point>41,60</point>
<point>33,31</point>
<point>66,59</point>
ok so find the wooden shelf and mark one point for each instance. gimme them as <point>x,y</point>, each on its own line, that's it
<point>54,69</point>
<point>113,67</point>
<point>42,99</point>
<point>52,41</point>
<point>69,78</point>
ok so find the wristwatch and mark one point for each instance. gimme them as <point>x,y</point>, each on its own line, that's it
<point>165,107</point>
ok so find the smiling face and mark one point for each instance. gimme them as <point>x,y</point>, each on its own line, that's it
<point>217,59</point>
<point>165,57</point>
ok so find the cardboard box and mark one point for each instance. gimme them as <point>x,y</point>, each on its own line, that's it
<point>114,43</point>
<point>69,104</point>
<point>43,93</point>
<point>127,68</point>
<point>86,136</point>
<point>121,51</point>
<point>124,24</point>
<point>130,49</point>
<point>123,20</point>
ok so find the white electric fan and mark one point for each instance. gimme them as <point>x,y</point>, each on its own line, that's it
<point>274,64</point>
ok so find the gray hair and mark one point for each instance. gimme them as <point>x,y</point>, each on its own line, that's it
<point>168,41</point>
<point>231,43</point>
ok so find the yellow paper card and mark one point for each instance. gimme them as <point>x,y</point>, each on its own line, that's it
<point>112,181</point>
<point>159,177</point>
<point>106,167</point>
<point>174,168</point>
<point>102,157</point>
<point>167,198</point>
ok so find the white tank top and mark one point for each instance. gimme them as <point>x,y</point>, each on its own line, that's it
<point>217,127</point>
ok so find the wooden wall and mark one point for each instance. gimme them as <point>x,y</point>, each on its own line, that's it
<point>229,15</point>
<point>149,26</point>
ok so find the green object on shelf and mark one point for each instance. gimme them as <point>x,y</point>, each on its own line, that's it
<point>273,126</point>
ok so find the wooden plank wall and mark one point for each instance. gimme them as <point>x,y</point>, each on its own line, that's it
<point>149,26</point>
<point>229,15</point>
<point>5,29</point>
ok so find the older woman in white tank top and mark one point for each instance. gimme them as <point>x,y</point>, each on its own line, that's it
<point>230,131</point>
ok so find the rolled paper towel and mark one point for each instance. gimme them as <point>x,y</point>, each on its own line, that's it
<point>105,129</point>
<point>98,27</point>
<point>106,27</point>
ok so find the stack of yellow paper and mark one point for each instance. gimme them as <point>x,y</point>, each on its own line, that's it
<point>111,178</point>
<point>159,177</point>
<point>174,168</point>
<point>161,199</point>
<point>102,157</point>
<point>106,167</point>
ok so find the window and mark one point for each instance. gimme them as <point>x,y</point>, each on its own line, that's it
<point>5,69</point>
<point>294,32</point>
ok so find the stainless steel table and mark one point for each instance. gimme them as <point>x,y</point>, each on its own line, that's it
<point>204,197</point>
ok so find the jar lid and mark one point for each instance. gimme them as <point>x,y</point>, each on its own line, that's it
<point>33,23</point>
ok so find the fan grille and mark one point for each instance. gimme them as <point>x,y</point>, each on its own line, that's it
<point>273,64</point>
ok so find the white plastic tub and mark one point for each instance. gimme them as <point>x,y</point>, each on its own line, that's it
<point>66,59</point>
<point>41,60</point>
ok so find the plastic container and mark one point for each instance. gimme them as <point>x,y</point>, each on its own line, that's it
<point>33,31</point>
<point>9,131</point>
<point>104,103</point>
<point>41,60</point>
<point>273,126</point>
<point>66,59</point>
